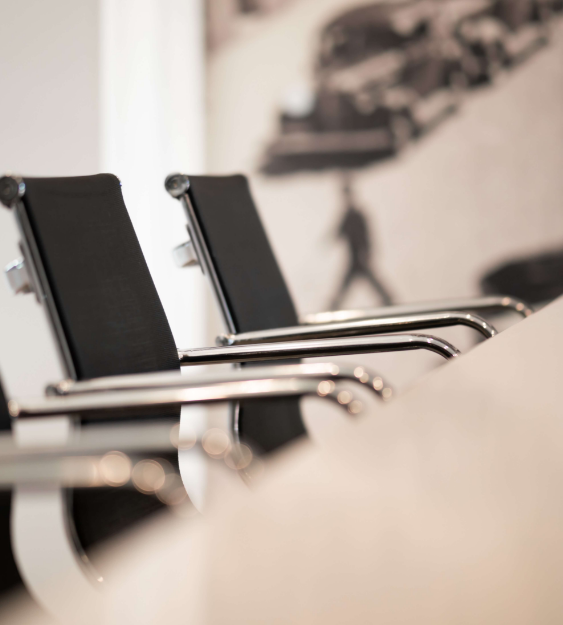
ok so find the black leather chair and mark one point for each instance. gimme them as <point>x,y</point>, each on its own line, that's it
<point>228,241</point>
<point>87,268</point>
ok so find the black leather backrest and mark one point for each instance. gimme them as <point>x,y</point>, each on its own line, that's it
<point>111,315</point>
<point>109,308</point>
<point>251,280</point>
<point>254,289</point>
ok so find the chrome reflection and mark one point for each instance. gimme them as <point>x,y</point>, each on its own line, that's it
<point>352,373</point>
<point>96,404</point>
<point>115,468</point>
<point>80,463</point>
<point>317,348</point>
<point>362,327</point>
<point>481,305</point>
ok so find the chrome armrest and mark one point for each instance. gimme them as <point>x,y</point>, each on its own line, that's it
<point>95,404</point>
<point>89,461</point>
<point>356,374</point>
<point>362,327</point>
<point>116,456</point>
<point>489,304</point>
<point>316,348</point>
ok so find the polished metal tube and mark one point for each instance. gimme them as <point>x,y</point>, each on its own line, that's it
<point>317,348</point>
<point>489,304</point>
<point>362,327</point>
<point>95,404</point>
<point>357,374</point>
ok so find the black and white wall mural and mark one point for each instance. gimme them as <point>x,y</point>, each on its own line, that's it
<point>398,150</point>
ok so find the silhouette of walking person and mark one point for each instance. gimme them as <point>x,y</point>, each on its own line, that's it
<point>355,231</point>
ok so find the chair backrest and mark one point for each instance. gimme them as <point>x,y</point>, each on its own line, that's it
<point>109,309</point>
<point>250,288</point>
<point>248,274</point>
<point>104,308</point>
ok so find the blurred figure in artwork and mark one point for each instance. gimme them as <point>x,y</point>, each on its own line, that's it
<point>354,229</point>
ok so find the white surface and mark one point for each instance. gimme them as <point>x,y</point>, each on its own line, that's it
<point>44,550</point>
<point>445,507</point>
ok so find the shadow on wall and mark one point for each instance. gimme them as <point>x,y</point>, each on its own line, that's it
<point>354,230</point>
<point>535,279</point>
